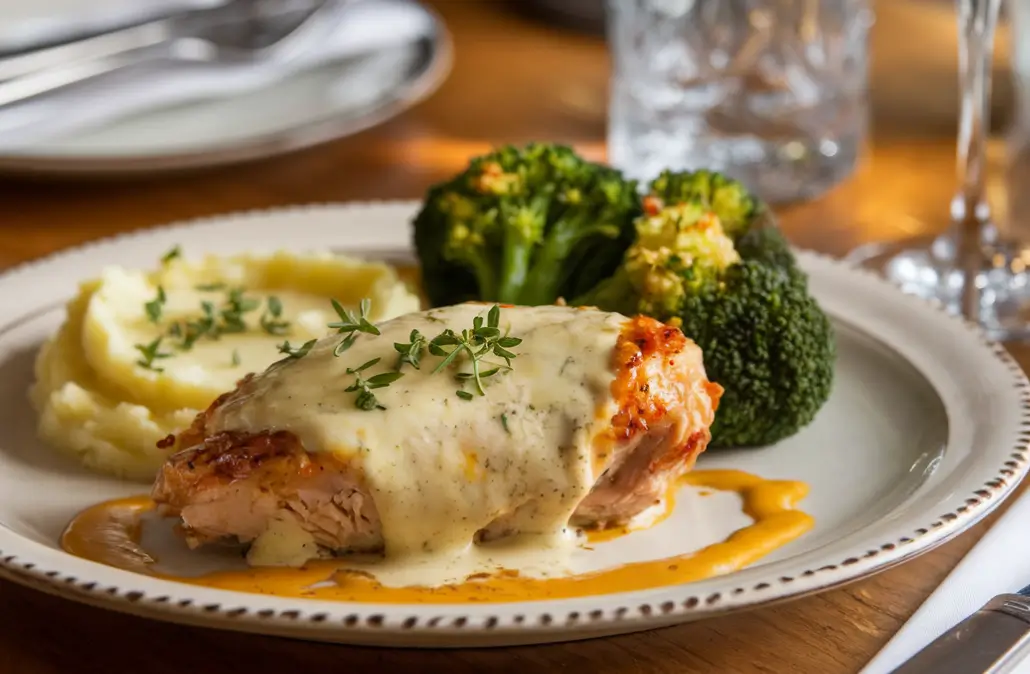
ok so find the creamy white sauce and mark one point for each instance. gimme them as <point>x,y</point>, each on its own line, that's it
<point>441,468</point>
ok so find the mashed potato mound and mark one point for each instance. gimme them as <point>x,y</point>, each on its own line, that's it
<point>101,402</point>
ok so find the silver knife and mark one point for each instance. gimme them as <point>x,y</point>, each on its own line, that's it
<point>994,640</point>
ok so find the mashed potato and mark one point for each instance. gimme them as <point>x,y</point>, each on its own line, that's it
<point>140,353</point>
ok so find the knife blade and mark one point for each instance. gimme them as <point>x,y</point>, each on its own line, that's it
<point>994,640</point>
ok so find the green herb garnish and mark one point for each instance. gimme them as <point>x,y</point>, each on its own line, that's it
<point>149,353</point>
<point>236,305</point>
<point>155,306</point>
<point>191,331</point>
<point>365,399</point>
<point>464,395</point>
<point>271,320</point>
<point>504,422</point>
<point>298,352</point>
<point>346,343</point>
<point>209,287</point>
<point>477,343</point>
<point>351,325</point>
<point>173,253</point>
<point>235,357</point>
<point>411,352</point>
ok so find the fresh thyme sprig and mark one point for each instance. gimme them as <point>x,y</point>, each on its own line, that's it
<point>477,343</point>
<point>349,322</point>
<point>154,307</point>
<point>352,325</point>
<point>272,321</point>
<point>236,306</point>
<point>173,253</point>
<point>411,352</point>
<point>149,353</point>
<point>189,331</point>
<point>366,400</point>
<point>298,352</point>
<point>229,318</point>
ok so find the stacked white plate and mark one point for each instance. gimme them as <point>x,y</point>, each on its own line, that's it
<point>384,57</point>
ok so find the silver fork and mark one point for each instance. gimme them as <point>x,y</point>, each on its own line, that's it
<point>241,31</point>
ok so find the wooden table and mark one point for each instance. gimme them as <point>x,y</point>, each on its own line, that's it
<point>548,84</point>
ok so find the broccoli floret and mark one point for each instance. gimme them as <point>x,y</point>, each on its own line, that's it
<point>765,243</point>
<point>524,225</point>
<point>771,347</point>
<point>726,197</point>
<point>677,250</point>
<point>764,338</point>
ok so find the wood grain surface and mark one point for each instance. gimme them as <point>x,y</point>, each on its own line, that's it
<point>515,80</point>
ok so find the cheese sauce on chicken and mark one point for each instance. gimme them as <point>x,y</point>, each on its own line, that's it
<point>598,416</point>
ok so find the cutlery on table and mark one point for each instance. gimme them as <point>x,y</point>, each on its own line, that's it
<point>993,640</point>
<point>972,624</point>
<point>242,31</point>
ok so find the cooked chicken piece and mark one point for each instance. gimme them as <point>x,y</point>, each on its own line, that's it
<point>233,484</point>
<point>597,418</point>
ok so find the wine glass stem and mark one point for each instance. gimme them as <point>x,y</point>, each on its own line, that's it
<point>971,216</point>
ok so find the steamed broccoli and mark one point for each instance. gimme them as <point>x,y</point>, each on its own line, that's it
<point>770,346</point>
<point>746,305</point>
<point>764,243</point>
<point>734,205</point>
<point>678,250</point>
<point>524,226</point>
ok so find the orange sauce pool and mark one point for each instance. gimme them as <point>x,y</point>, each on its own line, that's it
<point>109,533</point>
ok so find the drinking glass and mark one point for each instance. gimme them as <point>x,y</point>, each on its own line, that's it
<point>1018,141</point>
<point>970,268</point>
<point>1019,19</point>
<point>771,92</point>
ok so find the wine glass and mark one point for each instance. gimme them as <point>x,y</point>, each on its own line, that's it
<point>969,268</point>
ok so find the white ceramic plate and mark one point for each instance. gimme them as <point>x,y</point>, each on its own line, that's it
<point>926,431</point>
<point>24,24</point>
<point>317,105</point>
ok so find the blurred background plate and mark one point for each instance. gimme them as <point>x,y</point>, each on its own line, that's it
<point>316,106</point>
<point>24,23</point>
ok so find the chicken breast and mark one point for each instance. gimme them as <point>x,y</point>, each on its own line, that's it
<point>597,416</point>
